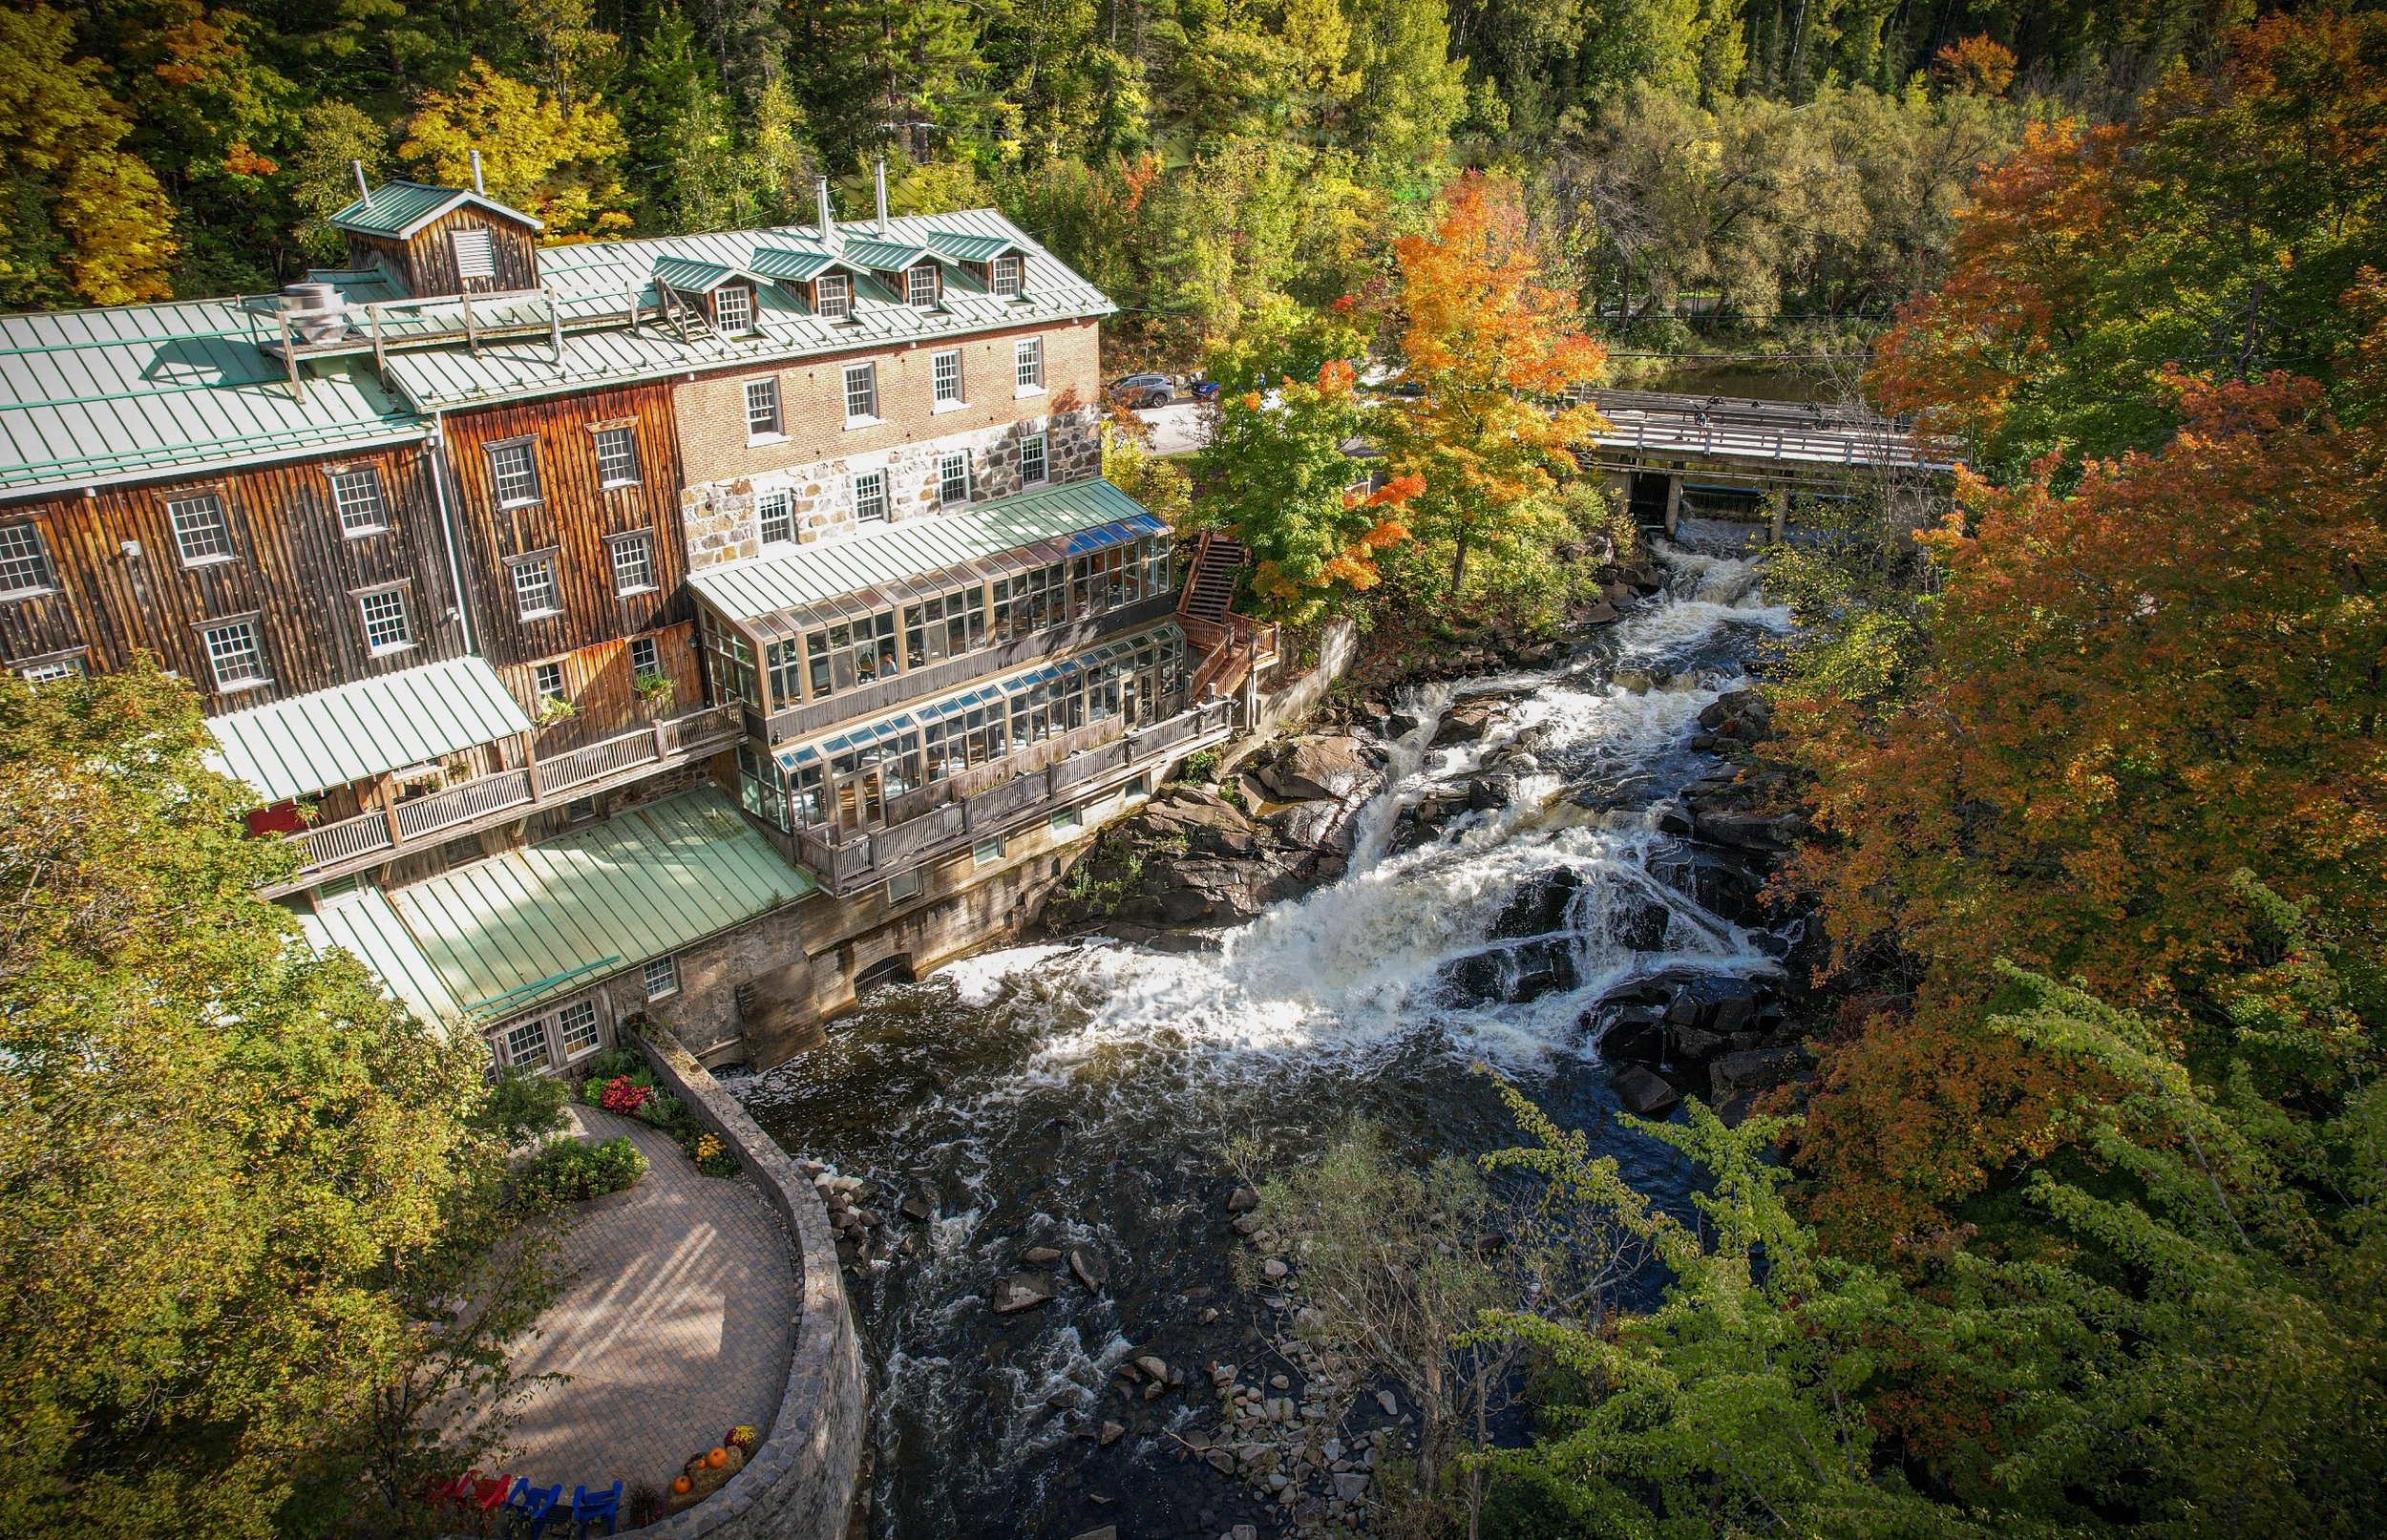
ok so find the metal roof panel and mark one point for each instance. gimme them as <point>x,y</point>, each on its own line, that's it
<point>811,574</point>
<point>332,737</point>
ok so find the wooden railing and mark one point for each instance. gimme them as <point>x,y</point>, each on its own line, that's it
<point>842,861</point>
<point>385,833</point>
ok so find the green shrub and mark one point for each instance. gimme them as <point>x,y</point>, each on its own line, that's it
<point>567,1171</point>
<point>664,1110</point>
<point>523,1106</point>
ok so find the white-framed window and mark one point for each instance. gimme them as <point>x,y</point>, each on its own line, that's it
<point>576,1028</point>
<point>633,564</point>
<point>235,655</point>
<point>386,626</point>
<point>869,497</point>
<point>861,393</point>
<point>535,588</point>
<point>1032,466</point>
<point>513,470</point>
<point>1066,821</point>
<point>944,375</point>
<point>524,1043</point>
<point>24,564</point>
<point>905,886</point>
<point>775,512</point>
<point>357,496</point>
<point>476,252</point>
<point>1004,277</point>
<point>547,682</point>
<point>617,458</point>
<point>832,296</point>
<point>49,670</point>
<point>662,979</point>
<point>200,531</point>
<point>920,287</point>
<point>762,408</point>
<point>1029,363</point>
<point>953,478</point>
<point>645,657</point>
<point>986,852</point>
<point>734,307</point>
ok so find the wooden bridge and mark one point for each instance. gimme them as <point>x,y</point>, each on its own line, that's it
<point>1732,450</point>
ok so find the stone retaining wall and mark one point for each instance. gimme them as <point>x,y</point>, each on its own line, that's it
<point>1337,647</point>
<point>800,1484</point>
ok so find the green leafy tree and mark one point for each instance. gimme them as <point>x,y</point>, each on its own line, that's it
<point>224,1158</point>
<point>1280,475</point>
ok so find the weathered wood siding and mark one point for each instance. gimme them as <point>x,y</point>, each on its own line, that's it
<point>292,567</point>
<point>603,688</point>
<point>428,262</point>
<point>571,522</point>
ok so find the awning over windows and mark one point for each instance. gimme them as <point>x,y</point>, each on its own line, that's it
<point>353,732</point>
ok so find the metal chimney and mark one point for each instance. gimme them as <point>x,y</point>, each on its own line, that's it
<point>364,193</point>
<point>883,195</point>
<point>477,182</point>
<point>828,216</point>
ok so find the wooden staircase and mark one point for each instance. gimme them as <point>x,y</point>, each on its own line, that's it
<point>688,322</point>
<point>1234,646</point>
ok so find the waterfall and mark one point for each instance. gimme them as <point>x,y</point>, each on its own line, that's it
<point>1083,1094</point>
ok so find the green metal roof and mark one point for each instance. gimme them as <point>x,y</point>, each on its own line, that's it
<point>794,266</point>
<point>968,247</point>
<point>91,396</point>
<point>398,208</point>
<point>506,934</point>
<point>692,277</point>
<point>886,256</point>
<point>367,925</point>
<point>750,590</point>
<point>332,737</point>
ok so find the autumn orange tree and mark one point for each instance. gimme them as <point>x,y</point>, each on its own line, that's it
<point>1280,475</point>
<point>2214,232</point>
<point>1491,347</point>
<point>2133,690</point>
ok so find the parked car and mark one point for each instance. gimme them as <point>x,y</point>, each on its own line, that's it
<point>1202,388</point>
<point>1142,390</point>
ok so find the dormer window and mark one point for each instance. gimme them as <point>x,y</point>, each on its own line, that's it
<point>1005,280</point>
<point>734,309</point>
<point>832,296</point>
<point>920,287</point>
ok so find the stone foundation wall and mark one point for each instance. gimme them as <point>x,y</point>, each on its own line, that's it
<point>801,1483</point>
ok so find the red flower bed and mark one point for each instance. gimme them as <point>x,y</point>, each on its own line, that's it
<point>624,1095</point>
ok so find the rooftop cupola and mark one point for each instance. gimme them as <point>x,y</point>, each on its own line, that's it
<point>441,240</point>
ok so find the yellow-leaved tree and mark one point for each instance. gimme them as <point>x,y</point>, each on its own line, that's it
<point>559,160</point>
<point>109,235</point>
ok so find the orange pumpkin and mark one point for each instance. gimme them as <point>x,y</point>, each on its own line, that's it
<point>716,1458</point>
<point>680,1485</point>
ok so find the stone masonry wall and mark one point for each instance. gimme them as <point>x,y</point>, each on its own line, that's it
<point>722,466</point>
<point>800,1484</point>
<point>721,523</point>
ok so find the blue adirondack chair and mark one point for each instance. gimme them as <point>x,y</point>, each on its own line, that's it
<point>534,1507</point>
<point>587,1510</point>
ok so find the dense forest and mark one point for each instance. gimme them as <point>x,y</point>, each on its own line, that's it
<point>2077,1228</point>
<point>1207,162</point>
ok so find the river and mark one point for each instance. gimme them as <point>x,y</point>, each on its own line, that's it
<point>1083,1095</point>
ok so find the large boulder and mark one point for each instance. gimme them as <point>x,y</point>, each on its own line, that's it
<point>1326,768</point>
<point>1540,904</point>
<point>1754,1069</point>
<point>1645,1093</point>
<point>1023,1291</point>
<point>1209,823</point>
<point>1513,975</point>
<point>1466,723</point>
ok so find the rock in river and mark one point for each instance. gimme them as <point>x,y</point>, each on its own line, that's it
<point>1023,1291</point>
<point>1090,1267</point>
<point>1326,768</point>
<point>1643,1093</point>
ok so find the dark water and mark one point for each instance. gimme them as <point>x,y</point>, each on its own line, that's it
<point>1085,1096</point>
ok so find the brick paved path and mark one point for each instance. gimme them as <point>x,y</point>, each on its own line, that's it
<point>676,1329</point>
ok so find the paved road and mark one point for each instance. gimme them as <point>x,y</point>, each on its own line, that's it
<point>676,1328</point>
<point>1177,429</point>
